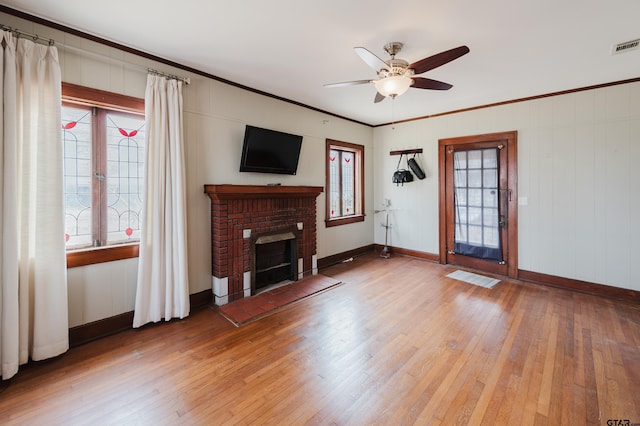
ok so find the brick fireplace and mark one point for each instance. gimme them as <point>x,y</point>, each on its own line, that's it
<point>244,218</point>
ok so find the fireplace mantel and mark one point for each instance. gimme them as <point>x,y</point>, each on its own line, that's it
<point>240,213</point>
<point>239,192</point>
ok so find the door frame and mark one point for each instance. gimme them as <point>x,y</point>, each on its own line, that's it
<point>510,139</point>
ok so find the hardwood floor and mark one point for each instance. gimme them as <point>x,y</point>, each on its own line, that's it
<point>398,343</point>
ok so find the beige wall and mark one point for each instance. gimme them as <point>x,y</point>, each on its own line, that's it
<point>577,171</point>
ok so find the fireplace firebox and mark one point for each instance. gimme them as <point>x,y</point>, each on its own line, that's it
<point>274,260</point>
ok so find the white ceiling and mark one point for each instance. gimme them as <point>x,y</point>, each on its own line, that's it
<point>290,48</point>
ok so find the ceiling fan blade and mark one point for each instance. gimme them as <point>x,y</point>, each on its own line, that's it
<point>438,59</point>
<point>372,60</point>
<point>427,83</point>
<point>378,98</point>
<point>347,83</point>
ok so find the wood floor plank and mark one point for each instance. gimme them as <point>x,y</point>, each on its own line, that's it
<point>399,343</point>
<point>492,382</point>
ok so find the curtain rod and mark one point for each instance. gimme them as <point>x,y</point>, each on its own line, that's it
<point>35,37</point>
<point>51,42</point>
<point>185,80</point>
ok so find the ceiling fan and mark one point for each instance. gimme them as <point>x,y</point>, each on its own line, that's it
<point>395,76</point>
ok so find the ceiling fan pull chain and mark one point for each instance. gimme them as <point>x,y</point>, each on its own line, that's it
<point>393,109</point>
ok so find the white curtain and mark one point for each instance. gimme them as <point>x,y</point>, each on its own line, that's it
<point>163,286</point>
<point>33,295</point>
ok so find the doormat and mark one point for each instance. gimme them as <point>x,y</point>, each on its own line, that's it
<point>474,279</point>
<point>252,308</point>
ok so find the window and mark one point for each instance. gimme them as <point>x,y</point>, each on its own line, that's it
<point>345,177</point>
<point>103,137</point>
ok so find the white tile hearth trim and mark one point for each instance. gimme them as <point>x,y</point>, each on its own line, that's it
<point>220,289</point>
<point>314,264</point>
<point>300,268</point>
<point>219,301</point>
<point>246,283</point>
<point>221,286</point>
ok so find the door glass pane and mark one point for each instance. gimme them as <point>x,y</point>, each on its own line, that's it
<point>475,178</point>
<point>490,217</point>
<point>475,197</point>
<point>490,159</point>
<point>475,216</point>
<point>490,197</point>
<point>461,196</point>
<point>461,231</point>
<point>490,178</point>
<point>475,159</point>
<point>461,176</point>
<point>475,235</point>
<point>491,237</point>
<point>461,217</point>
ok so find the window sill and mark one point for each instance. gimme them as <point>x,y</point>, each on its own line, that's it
<point>95,255</point>
<point>344,220</point>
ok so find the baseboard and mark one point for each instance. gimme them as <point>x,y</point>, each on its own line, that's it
<point>200,299</point>
<point>95,330</point>
<point>581,286</point>
<point>411,253</point>
<point>337,258</point>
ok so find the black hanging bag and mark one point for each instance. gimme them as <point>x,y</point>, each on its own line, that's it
<point>415,167</point>
<point>401,176</point>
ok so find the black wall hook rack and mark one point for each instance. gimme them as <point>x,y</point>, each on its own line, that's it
<point>406,151</point>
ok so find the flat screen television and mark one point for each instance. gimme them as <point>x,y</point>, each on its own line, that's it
<point>270,151</point>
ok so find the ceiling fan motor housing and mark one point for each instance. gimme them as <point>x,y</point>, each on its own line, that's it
<point>396,67</point>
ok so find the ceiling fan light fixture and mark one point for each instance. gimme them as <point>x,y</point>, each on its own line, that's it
<point>393,86</point>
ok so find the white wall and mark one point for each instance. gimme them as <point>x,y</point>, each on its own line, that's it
<point>215,115</point>
<point>577,167</point>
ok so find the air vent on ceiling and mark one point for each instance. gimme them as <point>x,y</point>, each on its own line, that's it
<point>625,47</point>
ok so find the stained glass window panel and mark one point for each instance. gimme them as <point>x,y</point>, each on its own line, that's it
<point>334,183</point>
<point>344,195</point>
<point>125,171</point>
<point>76,138</point>
<point>348,183</point>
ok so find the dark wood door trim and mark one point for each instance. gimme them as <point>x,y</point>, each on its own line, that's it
<point>510,139</point>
